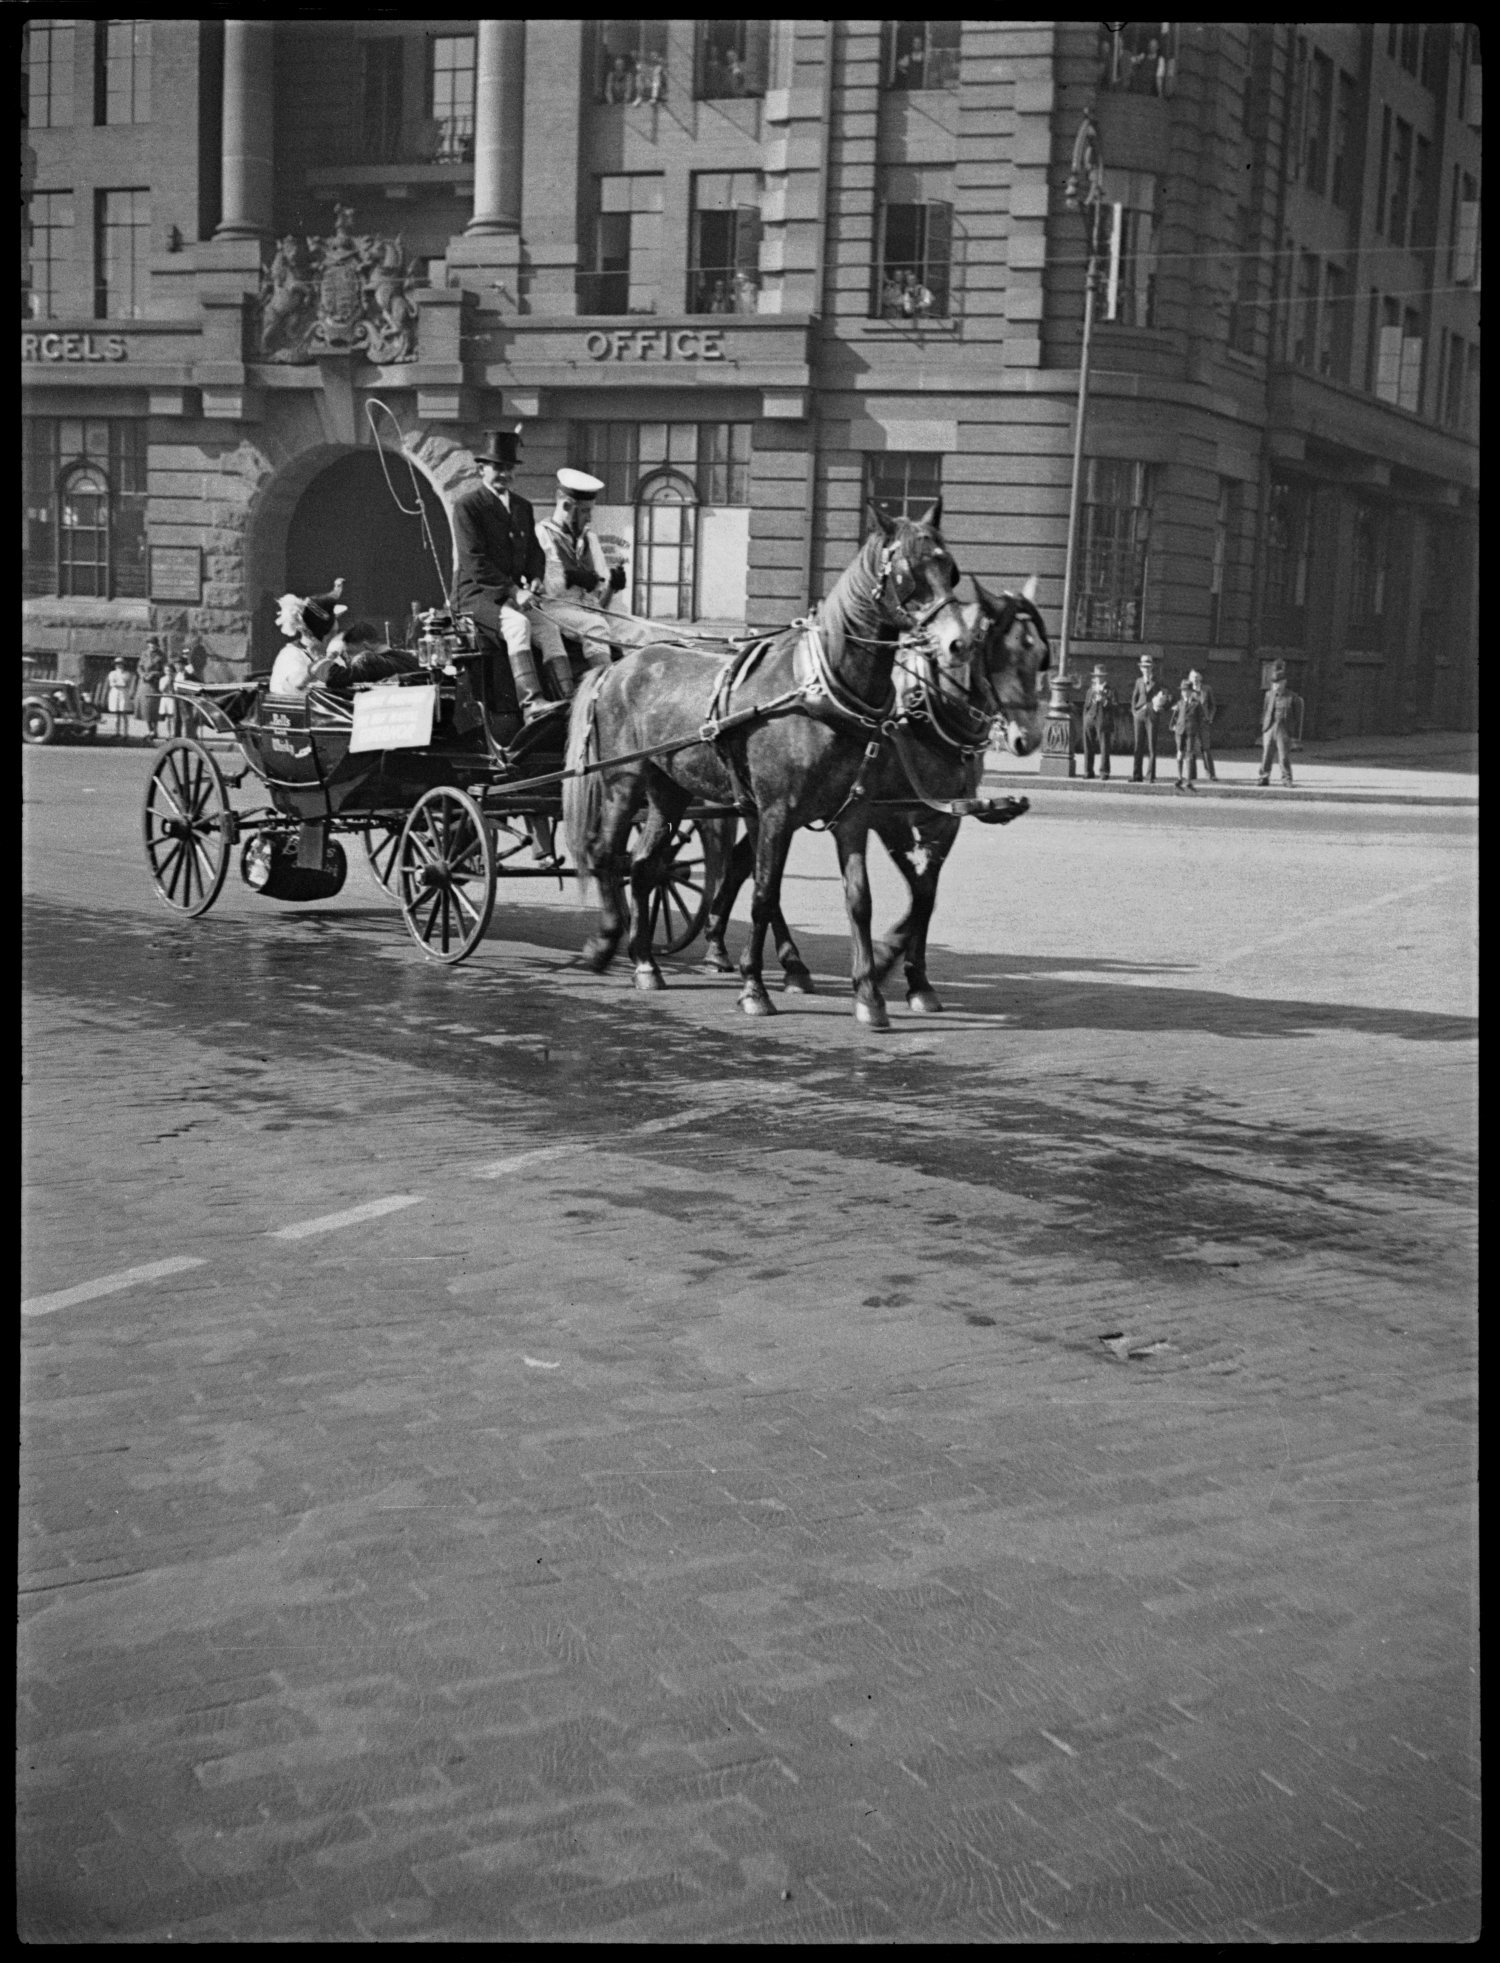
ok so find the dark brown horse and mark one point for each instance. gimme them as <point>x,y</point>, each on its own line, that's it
<point>781,730</point>
<point>925,782</point>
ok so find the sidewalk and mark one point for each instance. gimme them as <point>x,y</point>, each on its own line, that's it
<point>1437,767</point>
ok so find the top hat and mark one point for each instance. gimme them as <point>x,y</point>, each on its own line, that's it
<point>578,484</point>
<point>320,612</point>
<point>1099,675</point>
<point>503,448</point>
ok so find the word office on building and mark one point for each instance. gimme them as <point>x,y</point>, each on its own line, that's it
<point>754,274</point>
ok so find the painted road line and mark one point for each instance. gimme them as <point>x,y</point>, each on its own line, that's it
<point>497,1167</point>
<point>327,1223</point>
<point>86,1291</point>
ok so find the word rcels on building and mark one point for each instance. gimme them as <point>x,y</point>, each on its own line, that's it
<point>73,347</point>
<point>656,344</point>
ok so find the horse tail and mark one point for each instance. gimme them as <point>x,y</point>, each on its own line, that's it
<point>583,796</point>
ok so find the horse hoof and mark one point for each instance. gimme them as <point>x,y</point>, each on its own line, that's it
<point>758,1005</point>
<point>717,963</point>
<point>648,980</point>
<point>598,955</point>
<point>872,1015</point>
<point>797,981</point>
<point>922,1002</point>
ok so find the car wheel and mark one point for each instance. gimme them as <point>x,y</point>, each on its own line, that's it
<point>38,724</point>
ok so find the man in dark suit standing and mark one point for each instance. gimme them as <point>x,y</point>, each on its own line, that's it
<point>1147,700</point>
<point>500,567</point>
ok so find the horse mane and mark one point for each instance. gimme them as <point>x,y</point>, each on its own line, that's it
<point>851,612</point>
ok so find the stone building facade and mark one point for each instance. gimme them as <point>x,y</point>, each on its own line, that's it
<point>755,274</point>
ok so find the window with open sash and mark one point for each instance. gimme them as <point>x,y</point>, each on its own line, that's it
<point>732,58</point>
<point>625,271</point>
<point>920,54</point>
<point>84,484</point>
<point>49,74</point>
<point>1138,57</point>
<point>1131,264</point>
<point>1288,555</point>
<point>630,61</point>
<point>914,255</point>
<point>724,248</point>
<point>1114,544</point>
<point>451,62</point>
<point>902,483</point>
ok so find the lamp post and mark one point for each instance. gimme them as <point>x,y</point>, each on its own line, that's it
<point>1085,190</point>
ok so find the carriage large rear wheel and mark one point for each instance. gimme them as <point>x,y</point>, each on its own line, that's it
<point>445,875</point>
<point>683,894</point>
<point>188,827</point>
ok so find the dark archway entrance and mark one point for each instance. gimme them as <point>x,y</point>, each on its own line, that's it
<point>346,521</point>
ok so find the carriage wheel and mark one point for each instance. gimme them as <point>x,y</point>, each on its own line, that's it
<point>188,827</point>
<point>681,898</point>
<point>445,875</point>
<point>382,842</point>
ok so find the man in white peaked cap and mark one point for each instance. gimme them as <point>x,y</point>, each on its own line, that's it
<point>579,582</point>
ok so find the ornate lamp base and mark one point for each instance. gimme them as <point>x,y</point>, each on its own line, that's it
<point>1060,736</point>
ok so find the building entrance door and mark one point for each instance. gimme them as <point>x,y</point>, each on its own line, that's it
<point>666,546</point>
<point>346,522</point>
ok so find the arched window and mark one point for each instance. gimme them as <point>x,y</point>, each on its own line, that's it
<point>83,532</point>
<point>666,546</point>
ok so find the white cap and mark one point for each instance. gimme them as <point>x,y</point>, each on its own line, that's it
<point>578,483</point>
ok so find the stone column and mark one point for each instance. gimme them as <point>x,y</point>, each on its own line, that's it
<point>499,86</point>
<point>249,95</point>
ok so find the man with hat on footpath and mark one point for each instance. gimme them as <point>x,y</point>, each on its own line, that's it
<point>1280,710</point>
<point>1187,727</point>
<point>1147,700</point>
<point>500,569</point>
<point>579,582</point>
<point>1098,723</point>
<point>1210,710</point>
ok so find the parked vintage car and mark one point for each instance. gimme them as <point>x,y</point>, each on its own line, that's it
<point>53,711</point>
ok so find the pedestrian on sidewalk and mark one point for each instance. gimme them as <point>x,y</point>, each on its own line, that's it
<point>119,686</point>
<point>1280,718</point>
<point>1098,723</point>
<point>148,685</point>
<point>1210,710</point>
<point>1187,727</point>
<point>1147,700</point>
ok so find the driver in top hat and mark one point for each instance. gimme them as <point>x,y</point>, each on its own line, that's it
<point>579,582</point>
<point>500,567</point>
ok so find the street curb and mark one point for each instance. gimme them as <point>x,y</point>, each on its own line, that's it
<point>1260,794</point>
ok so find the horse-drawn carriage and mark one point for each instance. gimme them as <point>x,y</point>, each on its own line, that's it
<point>873,714</point>
<point>411,768</point>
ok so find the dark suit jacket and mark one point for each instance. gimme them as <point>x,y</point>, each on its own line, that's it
<point>496,550</point>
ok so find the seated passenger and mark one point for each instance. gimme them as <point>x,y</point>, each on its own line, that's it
<point>356,653</point>
<point>307,625</point>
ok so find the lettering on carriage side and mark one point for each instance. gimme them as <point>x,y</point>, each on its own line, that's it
<point>88,1291</point>
<point>655,344</point>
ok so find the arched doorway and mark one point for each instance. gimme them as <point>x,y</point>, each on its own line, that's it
<point>666,546</point>
<point>347,522</point>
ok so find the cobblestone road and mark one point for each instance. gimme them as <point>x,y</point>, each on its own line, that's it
<point>1011,1479</point>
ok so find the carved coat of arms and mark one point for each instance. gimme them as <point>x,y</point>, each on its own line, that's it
<point>347,293</point>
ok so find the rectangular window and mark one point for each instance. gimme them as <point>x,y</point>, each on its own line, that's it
<point>621,454</point>
<point>1409,382</point>
<point>1113,547</point>
<point>1139,57</point>
<point>450,95</point>
<point>1385,169</point>
<point>85,514</point>
<point>1430,37</point>
<point>49,74</point>
<point>1367,557</point>
<point>1130,277</point>
<point>122,240</point>
<point>123,75</point>
<point>1242,309</point>
<point>921,54</point>
<point>915,245</point>
<point>1453,388</point>
<point>1388,358</point>
<point>1471,79</point>
<point>1305,312</point>
<point>51,215</point>
<point>1423,227</point>
<point>1297,108</point>
<point>1466,236</point>
<point>1411,46</point>
<point>1342,188</point>
<point>1218,579</point>
<point>1288,551</point>
<point>902,483</point>
<point>1400,183</point>
<point>1336,329</point>
<point>1319,123</point>
<point>724,247</point>
<point>624,276</point>
<point>630,61</point>
<point>381,64</point>
<point>732,58</point>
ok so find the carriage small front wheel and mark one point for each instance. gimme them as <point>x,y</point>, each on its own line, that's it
<point>188,827</point>
<point>445,875</point>
<point>681,897</point>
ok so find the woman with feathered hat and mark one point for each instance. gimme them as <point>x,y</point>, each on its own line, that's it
<point>307,625</point>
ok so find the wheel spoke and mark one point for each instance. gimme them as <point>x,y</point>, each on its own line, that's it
<point>432,901</point>
<point>171,873</point>
<point>160,784</point>
<point>462,901</point>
